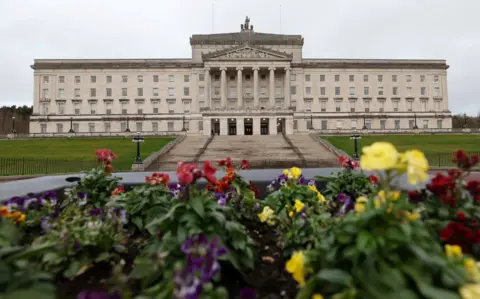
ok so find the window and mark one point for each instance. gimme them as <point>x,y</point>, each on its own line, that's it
<point>380,78</point>
<point>46,79</point>
<point>93,92</point>
<point>123,127</point>
<point>381,105</point>
<point>423,91</point>
<point>61,93</point>
<point>171,78</point>
<point>337,91</point>
<point>200,125</point>
<point>435,78</point>
<point>323,106</point>
<point>170,126</point>
<point>76,92</point>
<point>124,78</point>
<point>109,79</point>
<point>338,106</point>
<point>411,123</point>
<point>216,77</point>
<point>77,79</point>
<point>365,78</point>
<point>278,91</point>
<point>61,108</point>
<point>107,127</point>
<point>437,91</point>
<point>124,92</point>
<point>140,78</point>
<point>382,124</point>
<point>395,91</point>
<point>308,105</point>
<point>76,127</point>
<point>186,91</point>
<point>140,92</point>
<point>409,106</point>
<point>323,91</point>
<point>155,92</point>
<point>308,90</point>
<point>139,107</point>
<point>122,106</point>
<point>43,128</point>
<point>395,106</point>
<point>425,123</point>
<point>293,90</point>
<point>108,108</point>
<point>397,124</point>
<point>424,106</point>
<point>155,79</point>
<point>337,78</point>
<point>352,106</point>
<point>201,77</point>
<point>422,78</point>
<point>108,92</point>
<point>155,106</point>
<point>307,78</point>
<point>351,78</point>
<point>59,128</point>
<point>438,105</point>
<point>76,108</point>
<point>171,107</point>
<point>409,90</point>
<point>139,127</point>
<point>187,125</point>
<point>409,78</point>
<point>339,124</point>
<point>353,124</point>
<point>380,90</point>
<point>186,78</point>
<point>93,108</point>
<point>322,78</point>
<point>45,93</point>
<point>439,124</point>
<point>93,79</point>
<point>351,91</point>
<point>263,90</point>
<point>186,106</point>
<point>61,79</point>
<point>368,124</point>
<point>155,126</point>
<point>91,127</point>
<point>394,78</point>
<point>293,77</point>
<point>367,106</point>
<point>324,125</point>
<point>171,92</point>
<point>366,91</point>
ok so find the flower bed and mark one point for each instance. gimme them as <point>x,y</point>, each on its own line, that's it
<point>360,237</point>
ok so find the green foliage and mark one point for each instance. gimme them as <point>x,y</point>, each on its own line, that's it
<point>349,182</point>
<point>98,186</point>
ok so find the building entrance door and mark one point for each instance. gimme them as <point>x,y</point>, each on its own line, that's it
<point>264,126</point>
<point>232,126</point>
<point>215,126</point>
<point>281,125</point>
<point>248,126</point>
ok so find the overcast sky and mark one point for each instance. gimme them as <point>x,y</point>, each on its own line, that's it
<point>428,29</point>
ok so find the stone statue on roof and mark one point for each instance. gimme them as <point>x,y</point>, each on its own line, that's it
<point>247,22</point>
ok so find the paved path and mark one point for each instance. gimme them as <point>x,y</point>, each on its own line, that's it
<point>184,151</point>
<point>315,153</point>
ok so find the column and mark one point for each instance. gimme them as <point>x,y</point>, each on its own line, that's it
<point>208,86</point>
<point>223,126</point>
<point>256,125</point>
<point>240,126</point>
<point>286,93</point>
<point>255,87</point>
<point>272,87</point>
<point>223,87</point>
<point>239,88</point>
<point>272,126</point>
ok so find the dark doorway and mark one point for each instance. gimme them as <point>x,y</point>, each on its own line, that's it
<point>280,125</point>
<point>232,126</point>
<point>264,126</point>
<point>216,126</point>
<point>248,126</point>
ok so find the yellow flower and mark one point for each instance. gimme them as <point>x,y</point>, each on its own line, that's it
<point>472,268</point>
<point>286,172</point>
<point>453,250</point>
<point>296,172</point>
<point>360,204</point>
<point>266,215</point>
<point>317,296</point>
<point>412,216</point>
<point>379,156</point>
<point>320,197</point>
<point>415,164</point>
<point>291,213</point>
<point>296,266</point>
<point>299,206</point>
<point>20,218</point>
<point>362,199</point>
<point>470,291</point>
<point>313,188</point>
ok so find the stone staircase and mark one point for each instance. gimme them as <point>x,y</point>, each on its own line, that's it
<point>183,151</point>
<point>315,154</point>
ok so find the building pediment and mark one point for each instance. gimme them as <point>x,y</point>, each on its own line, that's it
<point>247,52</point>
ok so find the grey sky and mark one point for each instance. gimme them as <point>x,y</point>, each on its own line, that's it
<point>429,29</point>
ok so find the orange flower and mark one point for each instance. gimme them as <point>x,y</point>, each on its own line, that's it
<point>158,178</point>
<point>119,190</point>
<point>4,211</point>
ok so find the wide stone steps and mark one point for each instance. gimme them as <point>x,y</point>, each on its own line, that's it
<point>314,153</point>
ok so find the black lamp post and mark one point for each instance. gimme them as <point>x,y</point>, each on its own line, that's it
<point>364,122</point>
<point>415,127</point>
<point>127,130</point>
<point>465,120</point>
<point>71,126</point>
<point>355,138</point>
<point>13,125</point>
<point>138,139</point>
<point>311,122</point>
<point>183,124</point>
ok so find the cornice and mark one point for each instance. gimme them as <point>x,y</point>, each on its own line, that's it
<point>369,65</point>
<point>65,64</point>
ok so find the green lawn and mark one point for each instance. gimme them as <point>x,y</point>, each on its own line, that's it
<point>39,156</point>
<point>437,148</point>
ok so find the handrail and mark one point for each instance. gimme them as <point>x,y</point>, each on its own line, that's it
<point>295,149</point>
<point>202,150</point>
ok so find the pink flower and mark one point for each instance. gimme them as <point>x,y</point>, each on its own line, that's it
<point>185,173</point>
<point>209,172</point>
<point>345,162</point>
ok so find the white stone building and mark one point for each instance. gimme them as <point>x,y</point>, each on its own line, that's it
<point>239,83</point>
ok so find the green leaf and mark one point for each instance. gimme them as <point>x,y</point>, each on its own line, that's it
<point>181,234</point>
<point>335,276</point>
<point>138,222</point>
<point>73,269</point>
<point>432,292</point>
<point>37,291</point>
<point>363,239</point>
<point>197,206</point>
<point>218,216</point>
<point>31,251</point>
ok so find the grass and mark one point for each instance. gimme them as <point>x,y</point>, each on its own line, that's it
<point>47,156</point>
<point>437,148</point>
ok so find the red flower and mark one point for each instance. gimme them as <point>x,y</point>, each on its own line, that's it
<point>254,189</point>
<point>461,216</point>
<point>463,161</point>
<point>185,173</point>
<point>209,172</point>
<point>158,178</point>
<point>373,179</point>
<point>245,165</point>
<point>345,162</point>
<point>227,162</point>
<point>105,155</point>
<point>119,190</point>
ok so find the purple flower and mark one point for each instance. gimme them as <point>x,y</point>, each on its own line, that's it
<point>45,224</point>
<point>247,293</point>
<point>221,198</point>
<point>302,180</point>
<point>82,198</point>
<point>346,202</point>
<point>95,212</point>
<point>98,295</point>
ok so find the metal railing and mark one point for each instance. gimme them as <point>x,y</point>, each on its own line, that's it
<point>93,134</point>
<point>25,166</point>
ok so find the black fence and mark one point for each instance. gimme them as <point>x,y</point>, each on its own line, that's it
<point>444,159</point>
<point>25,166</point>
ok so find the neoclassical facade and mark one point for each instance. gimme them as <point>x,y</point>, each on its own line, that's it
<point>239,83</point>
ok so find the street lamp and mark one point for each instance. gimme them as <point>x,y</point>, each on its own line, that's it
<point>71,126</point>
<point>355,138</point>
<point>13,125</point>
<point>127,130</point>
<point>364,122</point>
<point>138,139</point>
<point>465,121</point>
<point>311,121</point>
<point>183,124</point>
<point>415,127</point>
